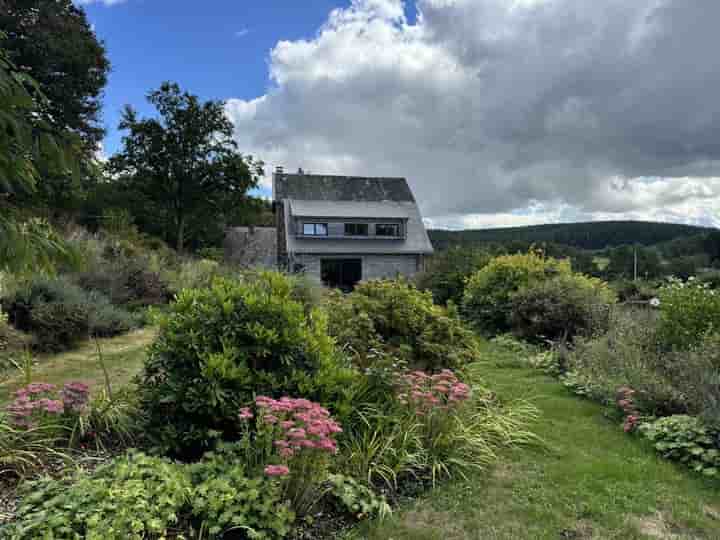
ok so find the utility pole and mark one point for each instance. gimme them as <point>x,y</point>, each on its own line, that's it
<point>635,263</point>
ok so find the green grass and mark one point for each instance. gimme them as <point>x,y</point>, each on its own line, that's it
<point>591,481</point>
<point>123,355</point>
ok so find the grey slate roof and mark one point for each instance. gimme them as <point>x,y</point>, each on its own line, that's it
<point>315,187</point>
<point>349,209</point>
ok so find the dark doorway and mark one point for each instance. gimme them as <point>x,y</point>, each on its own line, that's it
<point>341,273</point>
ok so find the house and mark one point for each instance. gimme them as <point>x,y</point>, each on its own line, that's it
<point>343,229</point>
<point>336,229</point>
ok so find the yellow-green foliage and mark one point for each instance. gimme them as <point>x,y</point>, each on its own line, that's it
<point>487,301</point>
<point>395,317</point>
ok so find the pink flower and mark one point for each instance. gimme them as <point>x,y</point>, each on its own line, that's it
<point>245,414</point>
<point>287,453</point>
<point>270,419</point>
<point>276,470</point>
<point>287,424</point>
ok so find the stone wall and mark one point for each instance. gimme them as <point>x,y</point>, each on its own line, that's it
<point>373,266</point>
<point>251,246</point>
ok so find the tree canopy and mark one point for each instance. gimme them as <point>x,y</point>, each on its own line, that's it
<point>183,166</point>
<point>28,144</point>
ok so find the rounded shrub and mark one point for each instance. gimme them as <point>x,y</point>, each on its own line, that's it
<point>688,310</point>
<point>394,317</point>
<point>562,308</point>
<point>58,313</point>
<point>220,346</point>
<point>488,297</point>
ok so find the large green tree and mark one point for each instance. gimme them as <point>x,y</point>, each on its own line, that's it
<point>184,166</point>
<point>28,144</point>
<point>53,42</point>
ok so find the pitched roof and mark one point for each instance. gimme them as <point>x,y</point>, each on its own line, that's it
<point>349,209</point>
<point>316,187</point>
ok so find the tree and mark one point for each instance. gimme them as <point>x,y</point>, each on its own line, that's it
<point>27,144</point>
<point>184,164</point>
<point>54,43</point>
<point>623,260</point>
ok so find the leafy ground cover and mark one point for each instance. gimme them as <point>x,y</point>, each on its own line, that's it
<point>123,357</point>
<point>590,481</point>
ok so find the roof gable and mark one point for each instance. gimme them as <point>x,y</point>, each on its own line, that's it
<point>315,187</point>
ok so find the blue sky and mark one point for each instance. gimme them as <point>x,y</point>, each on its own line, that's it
<point>217,49</point>
<point>499,112</point>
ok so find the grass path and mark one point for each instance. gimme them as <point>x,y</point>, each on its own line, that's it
<point>591,482</point>
<point>123,356</point>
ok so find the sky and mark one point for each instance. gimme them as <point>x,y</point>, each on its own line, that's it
<point>499,112</point>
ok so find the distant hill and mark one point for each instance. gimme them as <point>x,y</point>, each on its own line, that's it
<point>587,235</point>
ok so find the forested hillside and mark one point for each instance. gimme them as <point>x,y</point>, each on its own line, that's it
<point>590,235</point>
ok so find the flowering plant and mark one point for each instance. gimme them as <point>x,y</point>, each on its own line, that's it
<point>626,401</point>
<point>40,402</point>
<point>295,438</point>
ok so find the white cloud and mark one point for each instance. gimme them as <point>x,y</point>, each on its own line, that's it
<point>502,112</point>
<point>242,32</point>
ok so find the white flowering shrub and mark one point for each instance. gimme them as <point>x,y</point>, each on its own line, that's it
<point>688,310</point>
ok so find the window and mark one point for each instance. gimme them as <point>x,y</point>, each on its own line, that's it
<point>387,229</point>
<point>315,229</point>
<point>356,229</point>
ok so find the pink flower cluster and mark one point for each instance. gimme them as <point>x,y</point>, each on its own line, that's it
<point>297,425</point>
<point>40,398</point>
<point>626,401</point>
<point>426,392</point>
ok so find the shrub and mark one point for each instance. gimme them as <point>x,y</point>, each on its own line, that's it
<point>561,308</point>
<point>448,271</point>
<point>59,314</point>
<point>685,439</point>
<point>487,301</point>
<point>356,499</point>
<point>12,343</point>
<point>687,311</point>
<point>219,347</point>
<point>394,317</point>
<point>225,500</point>
<point>133,497</point>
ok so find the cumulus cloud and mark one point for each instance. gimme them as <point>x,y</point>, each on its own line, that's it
<point>506,111</point>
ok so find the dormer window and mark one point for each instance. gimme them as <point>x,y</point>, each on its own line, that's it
<point>356,229</point>
<point>387,229</point>
<point>315,229</point>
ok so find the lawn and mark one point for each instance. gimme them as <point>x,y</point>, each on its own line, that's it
<point>123,356</point>
<point>591,481</point>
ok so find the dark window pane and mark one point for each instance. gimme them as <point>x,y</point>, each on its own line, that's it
<point>387,229</point>
<point>356,229</point>
<point>321,229</point>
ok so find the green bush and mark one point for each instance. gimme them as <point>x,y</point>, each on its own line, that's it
<point>356,499</point>
<point>133,497</point>
<point>561,308</point>
<point>448,271</point>
<point>219,347</point>
<point>394,317</point>
<point>685,439</point>
<point>12,343</point>
<point>58,313</point>
<point>687,311</point>
<point>225,500</point>
<point>488,298</point>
